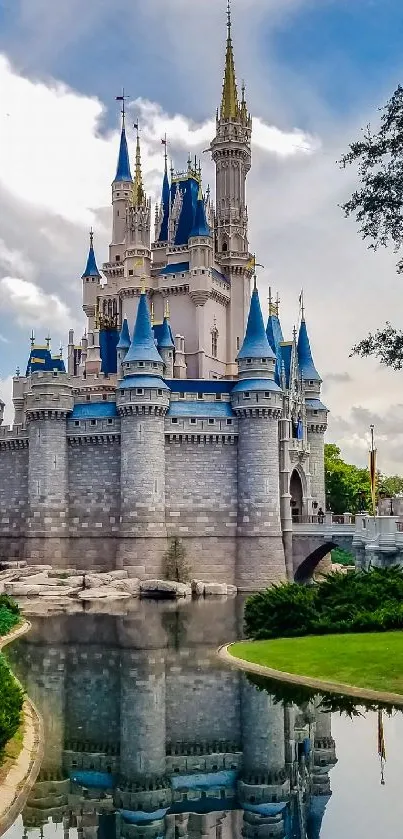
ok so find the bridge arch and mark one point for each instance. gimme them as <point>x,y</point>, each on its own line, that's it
<point>308,566</point>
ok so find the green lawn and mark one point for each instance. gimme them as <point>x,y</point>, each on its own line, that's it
<point>370,660</point>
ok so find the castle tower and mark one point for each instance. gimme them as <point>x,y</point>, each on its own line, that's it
<point>316,415</point>
<point>275,338</point>
<point>91,283</point>
<point>49,401</point>
<point>257,402</point>
<point>200,261</point>
<point>122,187</point>
<point>142,402</point>
<point>138,223</point>
<point>231,153</point>
<point>166,346</point>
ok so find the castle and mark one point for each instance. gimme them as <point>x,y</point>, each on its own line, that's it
<point>200,423</point>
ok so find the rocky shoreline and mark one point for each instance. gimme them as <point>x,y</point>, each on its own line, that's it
<point>21,580</point>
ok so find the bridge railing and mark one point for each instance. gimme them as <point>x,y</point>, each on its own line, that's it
<point>327,518</point>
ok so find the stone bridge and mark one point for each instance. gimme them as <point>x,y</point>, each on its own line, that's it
<point>315,537</point>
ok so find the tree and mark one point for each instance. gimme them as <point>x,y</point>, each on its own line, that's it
<point>176,567</point>
<point>348,487</point>
<point>390,487</point>
<point>378,208</point>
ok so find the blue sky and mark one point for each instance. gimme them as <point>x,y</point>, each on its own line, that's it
<point>316,71</point>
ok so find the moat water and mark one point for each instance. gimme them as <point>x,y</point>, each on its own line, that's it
<point>148,735</point>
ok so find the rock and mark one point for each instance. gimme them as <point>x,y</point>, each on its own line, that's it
<point>62,573</point>
<point>29,570</point>
<point>102,593</point>
<point>118,575</point>
<point>198,588</point>
<point>131,586</point>
<point>183,590</point>
<point>96,580</point>
<point>158,588</point>
<point>213,589</point>
<point>12,565</point>
<point>232,590</point>
<point>57,592</point>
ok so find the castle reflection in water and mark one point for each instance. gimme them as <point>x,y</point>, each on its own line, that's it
<point>149,736</point>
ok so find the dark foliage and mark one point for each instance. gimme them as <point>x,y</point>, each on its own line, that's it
<point>11,700</point>
<point>370,601</point>
<point>378,208</point>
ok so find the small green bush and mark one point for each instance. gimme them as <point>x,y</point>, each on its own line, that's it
<point>362,602</point>
<point>175,565</point>
<point>11,701</point>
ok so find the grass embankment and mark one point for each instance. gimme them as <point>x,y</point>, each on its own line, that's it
<point>11,695</point>
<point>372,661</point>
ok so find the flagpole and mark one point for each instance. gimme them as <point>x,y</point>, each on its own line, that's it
<point>372,471</point>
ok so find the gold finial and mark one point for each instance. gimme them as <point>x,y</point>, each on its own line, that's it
<point>143,285</point>
<point>48,339</point>
<point>229,101</point>
<point>243,108</point>
<point>277,304</point>
<point>91,237</point>
<point>32,338</point>
<point>166,310</point>
<point>152,314</point>
<point>138,191</point>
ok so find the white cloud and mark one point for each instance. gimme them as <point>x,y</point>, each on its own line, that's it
<point>31,306</point>
<point>6,389</point>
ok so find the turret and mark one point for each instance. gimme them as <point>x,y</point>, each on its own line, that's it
<point>122,187</point>
<point>200,240</point>
<point>91,283</point>
<point>123,346</point>
<point>316,415</point>
<point>166,346</point>
<point>142,402</point>
<point>138,223</point>
<point>49,402</point>
<point>231,153</point>
<point>257,402</point>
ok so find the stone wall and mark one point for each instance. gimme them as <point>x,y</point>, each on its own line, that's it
<point>13,500</point>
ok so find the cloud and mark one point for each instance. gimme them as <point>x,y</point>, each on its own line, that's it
<point>337,378</point>
<point>31,306</point>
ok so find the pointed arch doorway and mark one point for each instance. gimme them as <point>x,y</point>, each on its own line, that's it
<point>297,496</point>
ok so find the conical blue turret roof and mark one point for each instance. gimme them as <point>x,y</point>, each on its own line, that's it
<point>91,268</point>
<point>124,339</point>
<point>163,237</point>
<point>255,343</point>
<point>275,338</point>
<point>142,347</point>
<point>200,227</point>
<point>123,172</point>
<point>165,338</point>
<point>305,360</point>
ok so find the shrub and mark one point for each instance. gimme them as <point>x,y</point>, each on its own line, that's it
<point>364,602</point>
<point>11,700</point>
<point>175,565</point>
<point>9,614</point>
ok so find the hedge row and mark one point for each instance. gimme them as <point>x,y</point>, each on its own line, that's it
<point>369,601</point>
<point>11,695</point>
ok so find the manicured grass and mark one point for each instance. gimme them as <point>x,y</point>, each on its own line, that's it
<point>371,660</point>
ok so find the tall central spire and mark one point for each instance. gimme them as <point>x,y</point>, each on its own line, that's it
<point>138,190</point>
<point>229,102</point>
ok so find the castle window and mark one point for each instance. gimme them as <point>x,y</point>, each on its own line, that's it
<point>211,422</point>
<point>160,392</point>
<point>225,247</point>
<point>264,360</point>
<point>141,363</point>
<point>130,272</point>
<point>93,422</point>
<point>193,422</point>
<point>214,342</point>
<point>315,412</point>
<point>117,213</point>
<point>181,396</point>
<point>139,391</point>
<point>174,419</point>
<point>200,395</point>
<point>110,421</point>
<point>218,396</point>
<point>104,397</point>
<point>117,257</point>
<point>155,364</point>
<point>267,394</point>
<point>229,422</point>
<point>76,422</point>
<point>122,392</point>
<point>237,343</point>
<point>88,397</point>
<point>246,394</point>
<point>311,383</point>
<point>249,361</point>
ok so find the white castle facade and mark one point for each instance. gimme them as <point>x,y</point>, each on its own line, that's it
<point>181,412</point>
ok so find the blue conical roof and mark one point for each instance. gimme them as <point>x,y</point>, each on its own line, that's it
<point>124,339</point>
<point>255,343</point>
<point>142,347</point>
<point>91,268</point>
<point>305,360</point>
<point>123,172</point>
<point>165,340</point>
<point>163,237</point>
<point>200,227</point>
<point>275,338</point>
